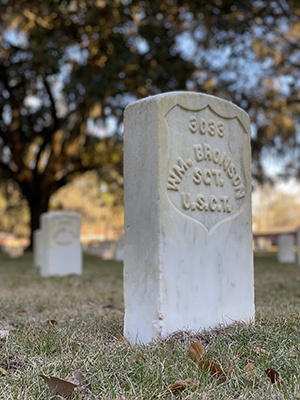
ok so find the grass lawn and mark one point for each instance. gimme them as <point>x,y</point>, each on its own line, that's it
<point>62,325</point>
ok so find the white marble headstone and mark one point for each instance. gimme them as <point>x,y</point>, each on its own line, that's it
<point>108,249</point>
<point>37,248</point>
<point>264,244</point>
<point>286,252</point>
<point>188,238</point>
<point>62,254</point>
<point>119,256</point>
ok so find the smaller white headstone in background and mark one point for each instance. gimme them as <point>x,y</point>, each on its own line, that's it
<point>62,254</point>
<point>263,244</point>
<point>107,250</point>
<point>286,249</point>
<point>298,243</point>
<point>119,256</point>
<point>37,248</point>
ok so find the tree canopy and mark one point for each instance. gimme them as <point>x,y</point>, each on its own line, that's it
<point>276,206</point>
<point>68,69</point>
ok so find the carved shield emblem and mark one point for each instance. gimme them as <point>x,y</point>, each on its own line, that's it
<point>206,179</point>
<point>65,230</point>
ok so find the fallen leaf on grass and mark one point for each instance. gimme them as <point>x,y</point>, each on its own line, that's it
<point>50,322</point>
<point>259,351</point>
<point>3,371</point>
<point>122,340</point>
<point>213,367</point>
<point>229,367</point>
<point>179,386</point>
<point>274,376</point>
<point>22,313</point>
<point>250,369</point>
<point>61,387</point>
<point>108,305</point>
<point>251,374</point>
<point>196,351</point>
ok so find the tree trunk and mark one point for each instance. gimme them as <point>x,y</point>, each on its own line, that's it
<point>38,200</point>
<point>35,212</point>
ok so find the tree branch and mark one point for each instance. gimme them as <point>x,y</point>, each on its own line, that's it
<point>52,101</point>
<point>7,171</point>
<point>70,176</point>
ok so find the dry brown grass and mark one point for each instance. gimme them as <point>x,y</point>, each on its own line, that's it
<point>60,325</point>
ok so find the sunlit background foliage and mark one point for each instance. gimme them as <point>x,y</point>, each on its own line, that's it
<point>68,69</point>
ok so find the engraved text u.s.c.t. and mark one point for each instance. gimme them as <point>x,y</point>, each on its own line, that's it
<point>205,178</point>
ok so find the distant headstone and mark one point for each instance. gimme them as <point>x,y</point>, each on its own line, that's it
<point>264,244</point>
<point>286,252</point>
<point>62,253</point>
<point>119,255</point>
<point>107,249</point>
<point>37,248</point>
<point>188,241</point>
<point>298,244</point>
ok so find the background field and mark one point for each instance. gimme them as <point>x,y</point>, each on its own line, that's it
<point>60,325</point>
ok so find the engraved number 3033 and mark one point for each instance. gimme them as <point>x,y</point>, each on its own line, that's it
<point>207,126</point>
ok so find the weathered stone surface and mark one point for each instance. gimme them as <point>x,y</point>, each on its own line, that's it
<point>62,253</point>
<point>286,252</point>
<point>188,240</point>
